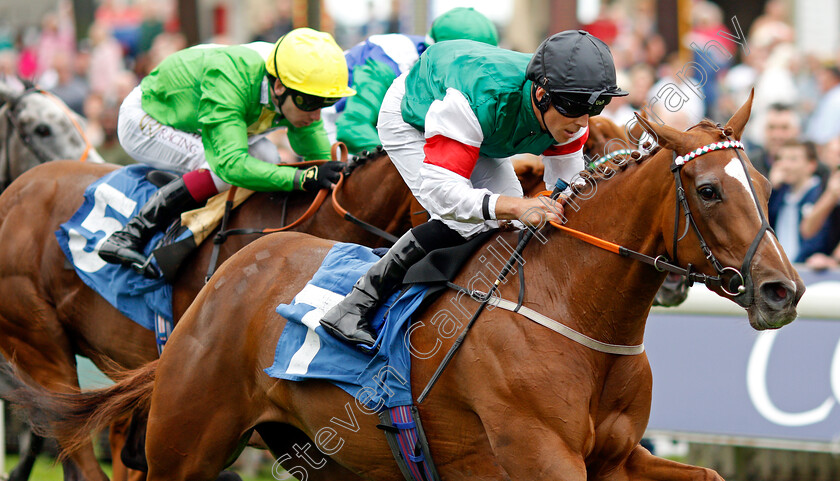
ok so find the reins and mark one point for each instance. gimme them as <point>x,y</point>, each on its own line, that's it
<point>738,287</point>
<point>559,187</point>
<point>737,283</point>
<point>339,150</point>
<point>351,218</point>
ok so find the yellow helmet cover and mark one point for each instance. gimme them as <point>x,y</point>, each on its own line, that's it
<point>311,62</point>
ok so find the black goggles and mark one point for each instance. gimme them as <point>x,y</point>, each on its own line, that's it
<point>573,108</point>
<point>310,103</point>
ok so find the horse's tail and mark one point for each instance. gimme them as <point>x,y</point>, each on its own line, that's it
<point>70,418</point>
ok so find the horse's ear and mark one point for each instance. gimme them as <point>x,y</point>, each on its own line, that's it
<point>739,119</point>
<point>666,137</point>
<point>636,132</point>
<point>8,93</point>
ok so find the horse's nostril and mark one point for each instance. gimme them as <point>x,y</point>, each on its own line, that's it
<point>777,294</point>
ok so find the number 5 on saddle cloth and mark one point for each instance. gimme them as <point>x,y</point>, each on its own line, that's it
<point>108,204</point>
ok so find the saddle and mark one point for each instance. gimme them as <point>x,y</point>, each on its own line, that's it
<point>177,244</point>
<point>442,265</point>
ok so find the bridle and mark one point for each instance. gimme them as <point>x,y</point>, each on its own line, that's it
<point>736,283</point>
<point>26,138</point>
<point>739,284</point>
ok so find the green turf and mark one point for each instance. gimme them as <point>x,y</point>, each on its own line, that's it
<point>47,470</point>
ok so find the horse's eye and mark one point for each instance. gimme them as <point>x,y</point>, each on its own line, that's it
<point>708,193</point>
<point>43,130</point>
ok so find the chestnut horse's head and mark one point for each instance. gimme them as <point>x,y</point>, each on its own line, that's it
<point>727,200</point>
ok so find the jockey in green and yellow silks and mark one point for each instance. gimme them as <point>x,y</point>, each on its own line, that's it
<point>205,111</point>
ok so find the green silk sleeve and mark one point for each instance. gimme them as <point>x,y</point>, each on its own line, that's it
<point>356,126</point>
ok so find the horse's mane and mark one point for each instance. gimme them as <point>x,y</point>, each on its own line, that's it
<point>358,161</point>
<point>608,173</point>
<point>629,160</point>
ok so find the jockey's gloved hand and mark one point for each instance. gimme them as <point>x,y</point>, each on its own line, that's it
<point>318,177</point>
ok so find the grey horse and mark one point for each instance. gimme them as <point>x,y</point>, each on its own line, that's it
<point>37,127</point>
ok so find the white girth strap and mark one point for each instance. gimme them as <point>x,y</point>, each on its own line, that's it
<point>568,331</point>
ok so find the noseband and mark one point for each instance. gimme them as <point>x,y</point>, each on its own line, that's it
<point>739,284</point>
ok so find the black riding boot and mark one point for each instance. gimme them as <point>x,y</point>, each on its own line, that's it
<point>126,246</point>
<point>349,320</point>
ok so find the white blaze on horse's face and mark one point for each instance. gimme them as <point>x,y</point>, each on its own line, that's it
<point>736,170</point>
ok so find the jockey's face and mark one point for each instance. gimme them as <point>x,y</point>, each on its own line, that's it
<point>298,117</point>
<point>560,127</point>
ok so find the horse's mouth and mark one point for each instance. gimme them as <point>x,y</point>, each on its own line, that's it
<point>761,318</point>
<point>775,304</point>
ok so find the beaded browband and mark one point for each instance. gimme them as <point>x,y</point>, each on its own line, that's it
<point>726,144</point>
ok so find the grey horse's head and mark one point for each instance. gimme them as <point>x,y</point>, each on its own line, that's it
<point>36,127</point>
<point>673,292</point>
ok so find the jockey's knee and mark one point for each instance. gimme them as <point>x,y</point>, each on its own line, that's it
<point>436,235</point>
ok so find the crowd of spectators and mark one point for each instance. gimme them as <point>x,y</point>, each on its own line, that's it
<point>92,75</point>
<point>793,136</point>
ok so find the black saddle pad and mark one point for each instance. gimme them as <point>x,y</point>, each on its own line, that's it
<point>442,265</point>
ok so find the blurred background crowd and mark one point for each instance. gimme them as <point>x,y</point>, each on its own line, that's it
<point>92,53</point>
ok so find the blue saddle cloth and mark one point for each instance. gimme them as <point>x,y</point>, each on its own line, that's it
<point>108,205</point>
<point>306,351</point>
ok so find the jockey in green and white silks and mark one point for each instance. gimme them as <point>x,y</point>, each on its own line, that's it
<point>374,64</point>
<point>449,126</point>
<point>205,111</point>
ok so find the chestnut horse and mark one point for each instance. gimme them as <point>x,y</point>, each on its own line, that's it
<point>61,368</point>
<point>518,402</point>
<point>49,315</point>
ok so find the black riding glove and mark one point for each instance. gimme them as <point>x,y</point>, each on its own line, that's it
<point>318,177</point>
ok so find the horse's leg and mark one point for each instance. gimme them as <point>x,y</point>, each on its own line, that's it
<point>117,439</point>
<point>44,353</point>
<point>527,447</point>
<point>547,459</point>
<point>287,443</point>
<point>641,465</point>
<point>188,438</point>
<point>31,448</point>
<point>71,471</point>
<point>202,407</point>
